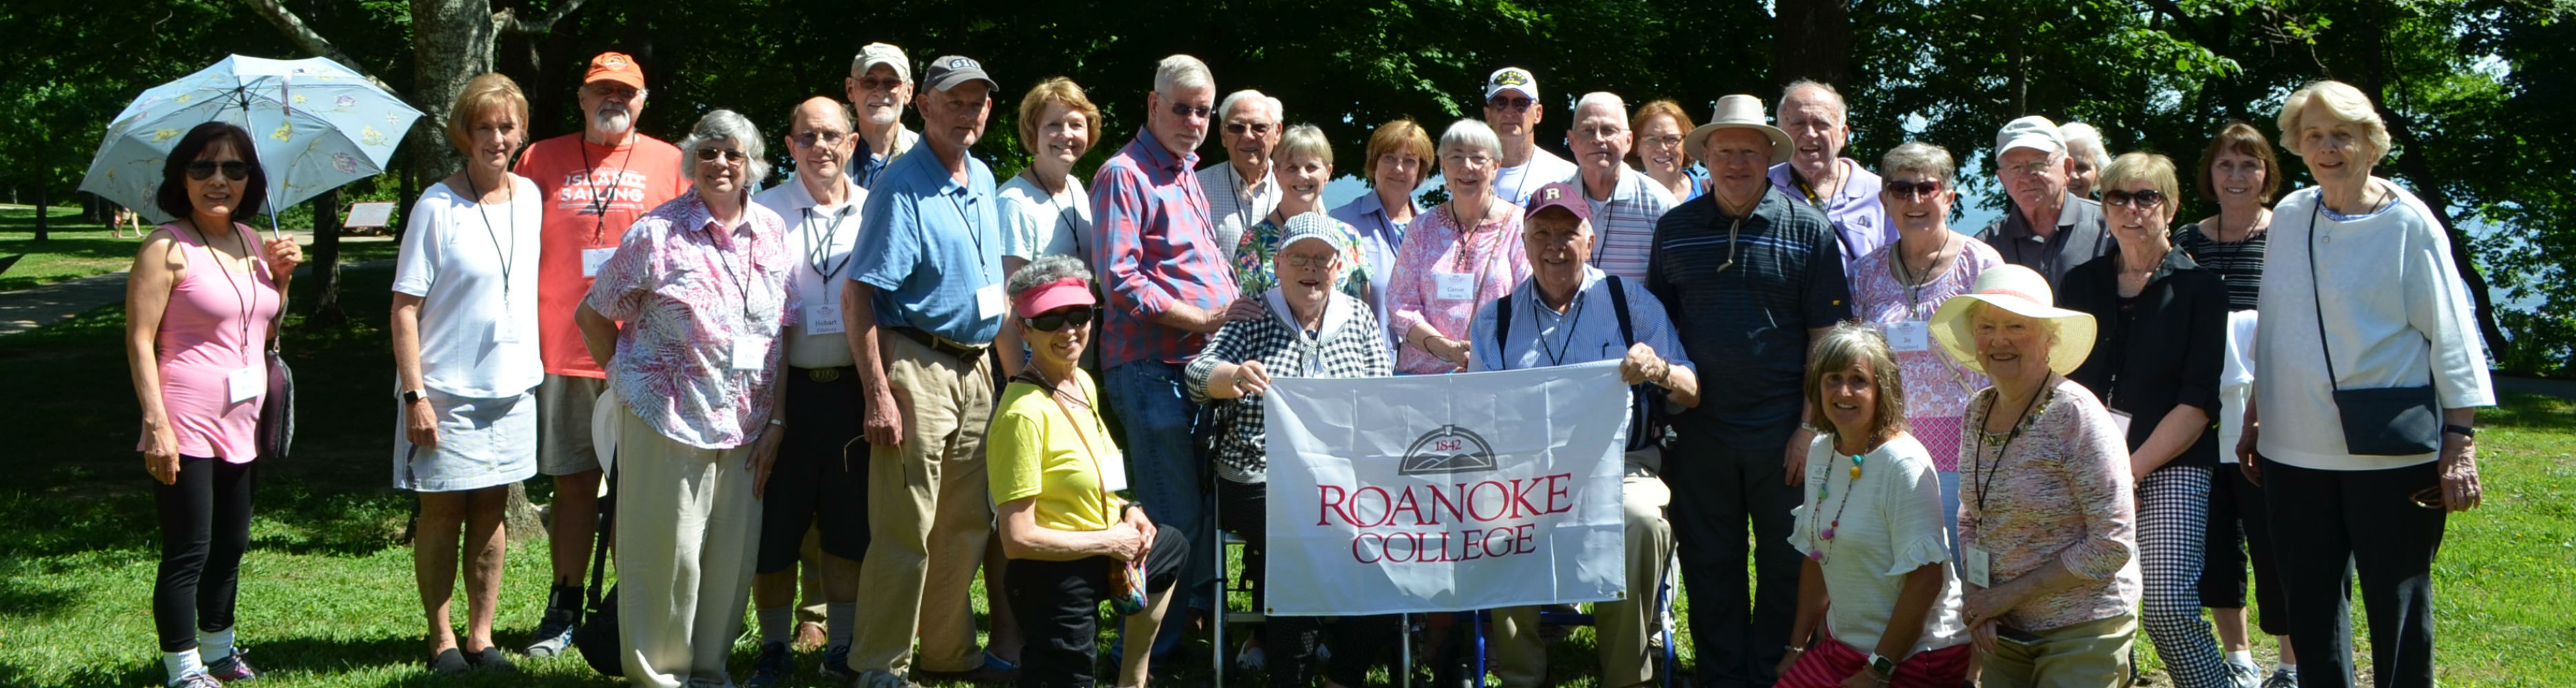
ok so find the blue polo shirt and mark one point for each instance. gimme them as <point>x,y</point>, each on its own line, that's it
<point>927,244</point>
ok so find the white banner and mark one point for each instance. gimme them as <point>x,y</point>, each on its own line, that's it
<point>1445,492</point>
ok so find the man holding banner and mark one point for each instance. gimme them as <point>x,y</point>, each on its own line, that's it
<point>1569,312</point>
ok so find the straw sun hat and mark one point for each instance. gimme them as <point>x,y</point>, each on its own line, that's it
<point>2019,290</point>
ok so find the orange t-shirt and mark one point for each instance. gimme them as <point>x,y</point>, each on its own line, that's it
<point>591,193</point>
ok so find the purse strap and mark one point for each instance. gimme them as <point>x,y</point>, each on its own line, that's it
<point>1030,375</point>
<point>2317,293</point>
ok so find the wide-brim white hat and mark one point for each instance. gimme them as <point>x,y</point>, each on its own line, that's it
<point>1739,112</point>
<point>2023,292</point>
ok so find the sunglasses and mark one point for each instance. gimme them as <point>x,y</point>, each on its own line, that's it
<point>2141,199</point>
<point>824,137</point>
<point>876,84</point>
<point>235,170</point>
<point>1912,190</point>
<point>1238,128</point>
<point>729,155</point>
<point>1510,103</point>
<point>1051,321</point>
<point>2429,498</point>
<point>1195,111</point>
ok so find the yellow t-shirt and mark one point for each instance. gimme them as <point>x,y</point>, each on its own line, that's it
<point>1033,450</point>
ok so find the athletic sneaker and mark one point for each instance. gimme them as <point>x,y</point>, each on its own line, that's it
<point>835,666</point>
<point>2243,675</point>
<point>773,667</point>
<point>554,631</point>
<point>195,679</point>
<point>2282,678</point>
<point>232,669</point>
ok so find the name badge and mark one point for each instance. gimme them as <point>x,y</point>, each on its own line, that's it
<point>247,383</point>
<point>505,330</point>
<point>1976,566</point>
<point>1113,472</point>
<point>1910,335</point>
<point>823,318</point>
<point>750,352</point>
<point>592,258</point>
<point>989,301</point>
<point>1454,286</point>
<point>2122,418</point>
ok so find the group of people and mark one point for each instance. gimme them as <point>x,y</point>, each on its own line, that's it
<point>893,372</point>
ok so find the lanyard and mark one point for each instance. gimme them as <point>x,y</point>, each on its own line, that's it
<point>1465,249</point>
<point>1556,356</point>
<point>1986,474</point>
<point>598,196</point>
<point>975,231</point>
<point>742,278</point>
<point>817,249</point>
<point>242,293</point>
<point>509,254</point>
<point>1080,431</point>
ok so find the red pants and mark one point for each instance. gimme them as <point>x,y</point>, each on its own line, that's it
<point>1829,661</point>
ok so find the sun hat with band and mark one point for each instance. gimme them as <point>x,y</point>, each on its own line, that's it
<point>1739,112</point>
<point>2022,292</point>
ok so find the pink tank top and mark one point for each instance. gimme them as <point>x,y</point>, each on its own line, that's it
<point>215,324</point>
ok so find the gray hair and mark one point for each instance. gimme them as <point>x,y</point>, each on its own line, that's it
<point>1304,139</point>
<point>1842,110</point>
<point>720,124</point>
<point>1618,108</point>
<point>1917,156</point>
<point>2082,139</point>
<point>1046,270</point>
<point>1469,132</point>
<point>1278,110</point>
<point>1179,72</point>
<point>2343,102</point>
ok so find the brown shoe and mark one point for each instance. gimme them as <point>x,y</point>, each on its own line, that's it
<point>809,637</point>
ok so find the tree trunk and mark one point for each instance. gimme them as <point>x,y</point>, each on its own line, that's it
<point>519,517</point>
<point>326,262</point>
<point>451,44</point>
<point>1812,39</point>
<point>44,211</point>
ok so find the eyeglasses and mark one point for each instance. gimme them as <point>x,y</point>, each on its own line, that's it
<point>1053,320</point>
<point>1913,190</point>
<point>728,154</point>
<point>876,84</point>
<point>1238,128</point>
<point>1477,160</point>
<point>1192,111</point>
<point>1666,141</point>
<point>821,136</point>
<point>1500,103</point>
<point>2148,198</point>
<point>1600,131</point>
<point>2031,169</point>
<point>1299,260</point>
<point>235,170</point>
<point>606,89</point>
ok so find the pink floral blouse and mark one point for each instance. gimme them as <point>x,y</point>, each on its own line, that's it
<point>1936,388</point>
<point>692,295</point>
<point>2060,493</point>
<point>1491,258</point>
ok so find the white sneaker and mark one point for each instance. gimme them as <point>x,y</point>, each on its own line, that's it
<point>2244,675</point>
<point>2282,678</point>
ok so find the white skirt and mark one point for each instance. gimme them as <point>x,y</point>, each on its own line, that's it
<point>481,443</point>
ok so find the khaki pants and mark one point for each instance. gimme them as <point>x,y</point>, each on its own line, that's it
<point>686,525</point>
<point>1620,628</point>
<point>2092,653</point>
<point>929,511</point>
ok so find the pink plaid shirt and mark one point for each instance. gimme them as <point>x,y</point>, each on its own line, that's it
<point>690,294</point>
<point>1157,249</point>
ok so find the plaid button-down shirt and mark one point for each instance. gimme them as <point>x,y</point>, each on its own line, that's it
<point>1157,249</point>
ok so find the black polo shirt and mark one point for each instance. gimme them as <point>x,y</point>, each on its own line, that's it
<point>2164,347</point>
<point>2081,236</point>
<point>1746,324</point>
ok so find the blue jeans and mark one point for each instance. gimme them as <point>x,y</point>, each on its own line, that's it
<point>1164,470</point>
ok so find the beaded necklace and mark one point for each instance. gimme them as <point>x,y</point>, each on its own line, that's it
<point>1824,535</point>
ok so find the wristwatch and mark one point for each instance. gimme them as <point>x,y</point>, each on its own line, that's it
<point>2461,430</point>
<point>412,396</point>
<point>1881,665</point>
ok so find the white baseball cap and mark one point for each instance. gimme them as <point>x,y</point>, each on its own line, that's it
<point>1512,79</point>
<point>2033,132</point>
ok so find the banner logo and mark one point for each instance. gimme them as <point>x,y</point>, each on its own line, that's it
<point>1449,449</point>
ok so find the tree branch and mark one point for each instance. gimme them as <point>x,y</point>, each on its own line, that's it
<point>304,37</point>
<point>509,21</point>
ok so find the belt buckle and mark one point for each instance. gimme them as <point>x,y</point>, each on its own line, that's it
<point>823,374</point>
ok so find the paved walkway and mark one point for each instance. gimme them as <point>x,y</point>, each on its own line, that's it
<point>31,308</point>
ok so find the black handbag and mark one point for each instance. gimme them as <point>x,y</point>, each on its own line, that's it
<point>277,411</point>
<point>597,635</point>
<point>2377,421</point>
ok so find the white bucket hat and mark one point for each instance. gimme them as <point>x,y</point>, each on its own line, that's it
<point>1739,112</point>
<point>2023,292</point>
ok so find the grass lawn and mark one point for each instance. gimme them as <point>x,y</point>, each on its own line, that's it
<point>79,249</point>
<point>327,596</point>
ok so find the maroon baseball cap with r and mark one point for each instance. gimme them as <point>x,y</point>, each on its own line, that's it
<point>1559,195</point>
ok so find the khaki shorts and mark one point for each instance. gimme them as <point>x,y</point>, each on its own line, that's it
<point>564,404</point>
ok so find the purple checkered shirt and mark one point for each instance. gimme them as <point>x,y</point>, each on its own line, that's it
<point>1158,249</point>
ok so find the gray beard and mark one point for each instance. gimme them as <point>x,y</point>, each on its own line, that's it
<point>612,122</point>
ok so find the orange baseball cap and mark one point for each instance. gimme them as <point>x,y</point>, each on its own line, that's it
<point>617,67</point>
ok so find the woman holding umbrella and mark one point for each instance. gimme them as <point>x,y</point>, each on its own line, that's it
<point>203,294</point>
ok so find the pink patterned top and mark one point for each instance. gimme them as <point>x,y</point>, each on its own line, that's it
<point>1936,388</point>
<point>1491,258</point>
<point>215,324</point>
<point>2060,494</point>
<point>692,295</point>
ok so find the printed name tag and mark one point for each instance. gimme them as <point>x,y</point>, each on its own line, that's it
<point>1113,473</point>
<point>823,318</point>
<point>1976,566</point>
<point>592,258</point>
<point>1455,286</point>
<point>505,330</point>
<point>2122,418</point>
<point>750,352</point>
<point>989,301</point>
<point>1910,335</point>
<point>247,384</point>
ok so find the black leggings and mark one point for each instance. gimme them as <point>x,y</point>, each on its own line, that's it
<point>1290,641</point>
<point>205,525</point>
